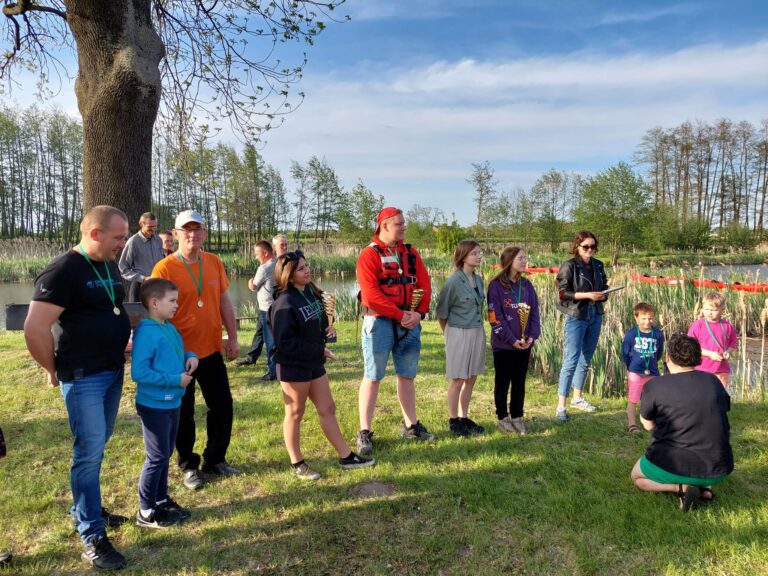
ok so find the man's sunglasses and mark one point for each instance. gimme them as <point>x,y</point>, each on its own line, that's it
<point>295,255</point>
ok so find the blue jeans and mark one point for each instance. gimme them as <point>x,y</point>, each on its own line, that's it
<point>580,342</point>
<point>92,404</point>
<point>268,341</point>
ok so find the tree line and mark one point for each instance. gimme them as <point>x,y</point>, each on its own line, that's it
<point>687,186</point>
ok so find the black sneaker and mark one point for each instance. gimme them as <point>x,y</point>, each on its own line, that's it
<point>158,518</point>
<point>113,520</point>
<point>5,558</point>
<point>267,377</point>
<point>244,362</point>
<point>110,520</point>
<point>193,480</point>
<point>457,427</point>
<point>220,469</point>
<point>364,442</point>
<point>416,432</point>
<point>100,553</point>
<point>171,504</point>
<point>472,426</point>
<point>353,461</point>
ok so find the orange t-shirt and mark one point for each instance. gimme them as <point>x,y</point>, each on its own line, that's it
<point>200,328</point>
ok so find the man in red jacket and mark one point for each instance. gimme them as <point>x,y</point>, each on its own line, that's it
<point>388,272</point>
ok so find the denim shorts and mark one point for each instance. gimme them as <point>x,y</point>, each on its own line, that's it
<point>379,339</point>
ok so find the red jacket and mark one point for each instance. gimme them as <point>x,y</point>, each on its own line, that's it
<point>384,290</point>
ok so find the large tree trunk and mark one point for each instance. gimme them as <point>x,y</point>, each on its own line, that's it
<point>118,93</point>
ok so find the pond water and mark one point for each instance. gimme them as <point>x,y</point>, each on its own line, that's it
<point>21,293</point>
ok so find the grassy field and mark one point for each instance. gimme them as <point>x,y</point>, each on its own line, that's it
<point>558,501</point>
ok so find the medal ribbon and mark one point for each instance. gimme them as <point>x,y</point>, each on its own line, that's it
<point>314,303</point>
<point>198,283</point>
<point>475,291</point>
<point>167,332</point>
<point>396,256</point>
<point>646,357</point>
<point>110,290</point>
<point>722,331</point>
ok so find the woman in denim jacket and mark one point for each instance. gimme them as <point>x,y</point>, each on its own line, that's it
<point>580,283</point>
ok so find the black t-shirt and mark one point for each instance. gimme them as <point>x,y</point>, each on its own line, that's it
<point>91,338</point>
<point>691,437</point>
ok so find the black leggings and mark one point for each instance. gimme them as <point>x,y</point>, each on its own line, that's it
<point>511,367</point>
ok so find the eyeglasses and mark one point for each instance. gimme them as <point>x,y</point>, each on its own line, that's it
<point>191,231</point>
<point>295,255</point>
<point>586,247</point>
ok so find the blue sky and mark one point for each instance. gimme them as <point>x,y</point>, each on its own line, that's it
<point>409,93</point>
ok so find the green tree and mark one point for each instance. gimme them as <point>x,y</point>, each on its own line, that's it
<point>195,56</point>
<point>615,205</point>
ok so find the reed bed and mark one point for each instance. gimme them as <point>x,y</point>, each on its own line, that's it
<point>677,306</point>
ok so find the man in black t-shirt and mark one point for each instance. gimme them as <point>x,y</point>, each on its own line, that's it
<point>79,296</point>
<point>687,411</point>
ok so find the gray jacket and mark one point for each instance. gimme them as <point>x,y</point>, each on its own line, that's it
<point>140,256</point>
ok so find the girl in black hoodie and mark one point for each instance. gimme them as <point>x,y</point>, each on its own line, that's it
<point>300,329</point>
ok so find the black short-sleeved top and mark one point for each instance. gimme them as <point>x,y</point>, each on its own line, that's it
<point>691,437</point>
<point>92,338</point>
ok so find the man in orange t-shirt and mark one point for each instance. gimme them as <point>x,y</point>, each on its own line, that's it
<point>204,306</point>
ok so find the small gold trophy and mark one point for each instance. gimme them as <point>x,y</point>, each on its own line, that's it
<point>416,297</point>
<point>329,306</point>
<point>523,310</point>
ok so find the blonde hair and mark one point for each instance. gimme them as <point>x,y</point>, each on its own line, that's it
<point>99,218</point>
<point>715,298</point>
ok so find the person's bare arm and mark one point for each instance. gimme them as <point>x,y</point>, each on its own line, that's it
<point>648,424</point>
<point>443,323</point>
<point>37,333</point>
<point>230,325</point>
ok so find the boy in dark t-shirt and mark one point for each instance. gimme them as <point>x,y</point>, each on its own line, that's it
<point>687,412</point>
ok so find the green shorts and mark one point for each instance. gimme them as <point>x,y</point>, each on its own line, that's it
<point>653,472</point>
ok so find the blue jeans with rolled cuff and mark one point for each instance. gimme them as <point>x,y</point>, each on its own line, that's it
<point>581,338</point>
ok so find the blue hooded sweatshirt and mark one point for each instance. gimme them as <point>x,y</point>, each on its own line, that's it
<point>158,359</point>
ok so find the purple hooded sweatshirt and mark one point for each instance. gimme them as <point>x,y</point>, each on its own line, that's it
<point>503,315</point>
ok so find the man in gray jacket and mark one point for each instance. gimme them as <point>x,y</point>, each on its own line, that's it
<point>263,283</point>
<point>142,251</point>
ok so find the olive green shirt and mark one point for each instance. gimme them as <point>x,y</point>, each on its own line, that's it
<point>461,304</point>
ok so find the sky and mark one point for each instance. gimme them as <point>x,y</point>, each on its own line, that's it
<point>408,94</point>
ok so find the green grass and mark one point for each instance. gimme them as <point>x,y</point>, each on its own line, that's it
<point>558,501</point>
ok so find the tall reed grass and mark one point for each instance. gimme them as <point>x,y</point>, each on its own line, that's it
<point>677,306</point>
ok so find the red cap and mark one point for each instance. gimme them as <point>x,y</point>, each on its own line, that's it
<point>385,213</point>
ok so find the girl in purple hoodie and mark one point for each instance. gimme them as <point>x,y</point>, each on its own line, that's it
<point>512,304</point>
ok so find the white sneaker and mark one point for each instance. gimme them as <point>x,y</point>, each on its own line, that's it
<point>582,404</point>
<point>505,424</point>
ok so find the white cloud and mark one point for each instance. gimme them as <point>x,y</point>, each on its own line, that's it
<point>413,134</point>
<point>644,16</point>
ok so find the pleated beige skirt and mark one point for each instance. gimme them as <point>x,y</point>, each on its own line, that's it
<point>464,352</point>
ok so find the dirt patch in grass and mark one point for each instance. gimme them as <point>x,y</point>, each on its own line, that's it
<point>373,489</point>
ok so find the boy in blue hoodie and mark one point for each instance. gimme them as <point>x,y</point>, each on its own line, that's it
<point>161,371</point>
<point>642,350</point>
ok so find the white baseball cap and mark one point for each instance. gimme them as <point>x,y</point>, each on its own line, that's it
<point>188,216</point>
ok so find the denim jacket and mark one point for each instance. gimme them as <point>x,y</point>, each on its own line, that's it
<point>574,277</point>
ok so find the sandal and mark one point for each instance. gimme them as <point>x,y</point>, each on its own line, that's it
<point>706,495</point>
<point>688,498</point>
<point>634,429</point>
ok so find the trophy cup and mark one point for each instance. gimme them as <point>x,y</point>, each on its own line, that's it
<point>523,310</point>
<point>329,306</point>
<point>416,297</point>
